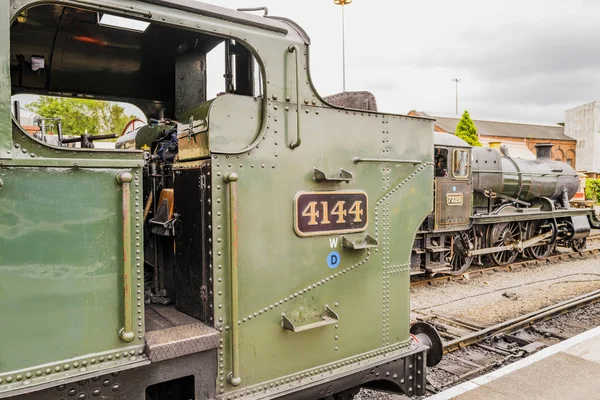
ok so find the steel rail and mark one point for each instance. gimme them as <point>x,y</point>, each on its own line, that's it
<point>522,321</point>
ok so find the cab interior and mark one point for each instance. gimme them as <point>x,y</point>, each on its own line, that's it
<point>57,50</point>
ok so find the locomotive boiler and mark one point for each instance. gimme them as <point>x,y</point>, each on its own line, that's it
<point>488,203</point>
<point>525,180</point>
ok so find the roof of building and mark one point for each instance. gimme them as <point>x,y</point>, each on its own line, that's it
<point>503,129</point>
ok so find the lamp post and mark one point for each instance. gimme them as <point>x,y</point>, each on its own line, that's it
<point>456,80</point>
<point>343,3</point>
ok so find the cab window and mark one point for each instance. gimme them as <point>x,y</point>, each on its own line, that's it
<point>162,70</point>
<point>441,162</point>
<point>461,164</point>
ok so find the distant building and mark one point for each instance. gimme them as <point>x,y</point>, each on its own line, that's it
<point>519,138</point>
<point>583,124</point>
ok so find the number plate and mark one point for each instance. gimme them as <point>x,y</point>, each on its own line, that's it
<point>454,199</point>
<point>326,213</point>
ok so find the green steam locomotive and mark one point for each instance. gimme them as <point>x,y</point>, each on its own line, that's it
<point>242,246</point>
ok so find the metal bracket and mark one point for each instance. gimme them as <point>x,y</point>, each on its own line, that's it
<point>328,318</point>
<point>264,9</point>
<point>343,176</point>
<point>359,242</point>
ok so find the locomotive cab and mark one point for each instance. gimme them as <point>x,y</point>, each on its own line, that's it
<point>453,183</point>
<point>219,248</point>
<point>438,247</point>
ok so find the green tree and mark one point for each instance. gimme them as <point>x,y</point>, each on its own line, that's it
<point>467,131</point>
<point>97,117</point>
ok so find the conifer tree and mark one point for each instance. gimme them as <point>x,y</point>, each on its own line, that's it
<point>467,131</point>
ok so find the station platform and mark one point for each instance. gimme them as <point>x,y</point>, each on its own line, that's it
<point>567,370</point>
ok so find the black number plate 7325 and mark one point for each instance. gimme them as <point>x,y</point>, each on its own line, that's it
<point>327,213</point>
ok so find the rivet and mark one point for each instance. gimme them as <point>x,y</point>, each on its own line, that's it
<point>115,387</point>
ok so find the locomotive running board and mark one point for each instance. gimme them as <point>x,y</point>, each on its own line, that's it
<point>527,216</point>
<point>519,246</point>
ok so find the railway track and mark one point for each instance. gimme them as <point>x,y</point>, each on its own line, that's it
<point>473,271</point>
<point>472,349</point>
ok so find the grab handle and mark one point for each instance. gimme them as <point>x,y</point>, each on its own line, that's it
<point>126,333</point>
<point>294,49</point>
<point>328,318</point>
<point>234,376</point>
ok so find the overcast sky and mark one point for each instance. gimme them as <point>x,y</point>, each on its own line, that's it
<point>526,60</point>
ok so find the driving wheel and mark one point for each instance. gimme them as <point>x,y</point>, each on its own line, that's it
<point>536,228</point>
<point>503,234</point>
<point>459,244</point>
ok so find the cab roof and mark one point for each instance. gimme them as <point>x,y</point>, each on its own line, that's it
<point>448,139</point>
<point>267,22</point>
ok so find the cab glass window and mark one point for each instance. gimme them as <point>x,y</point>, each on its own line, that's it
<point>461,164</point>
<point>441,162</point>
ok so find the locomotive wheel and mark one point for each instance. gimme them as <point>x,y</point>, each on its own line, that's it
<point>578,245</point>
<point>503,234</point>
<point>536,228</point>
<point>460,243</point>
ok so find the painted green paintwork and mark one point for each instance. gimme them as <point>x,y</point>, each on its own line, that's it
<point>61,246</point>
<point>369,290</point>
<point>75,287</point>
<point>5,113</point>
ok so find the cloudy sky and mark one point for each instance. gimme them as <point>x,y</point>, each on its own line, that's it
<point>526,60</point>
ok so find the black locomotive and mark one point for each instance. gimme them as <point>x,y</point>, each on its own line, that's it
<point>489,203</point>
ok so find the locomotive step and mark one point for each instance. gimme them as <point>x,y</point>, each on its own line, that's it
<point>435,268</point>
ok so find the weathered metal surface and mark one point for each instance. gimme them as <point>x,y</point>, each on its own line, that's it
<point>354,100</point>
<point>452,204</point>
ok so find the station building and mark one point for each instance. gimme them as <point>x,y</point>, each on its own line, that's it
<point>519,138</point>
<point>583,124</point>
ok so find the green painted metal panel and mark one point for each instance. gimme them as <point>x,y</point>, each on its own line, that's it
<point>5,113</point>
<point>61,274</point>
<point>280,272</point>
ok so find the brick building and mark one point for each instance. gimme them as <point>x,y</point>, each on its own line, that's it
<point>519,138</point>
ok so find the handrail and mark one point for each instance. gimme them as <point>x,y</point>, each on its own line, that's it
<point>294,49</point>
<point>126,333</point>
<point>234,376</point>
<point>357,160</point>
